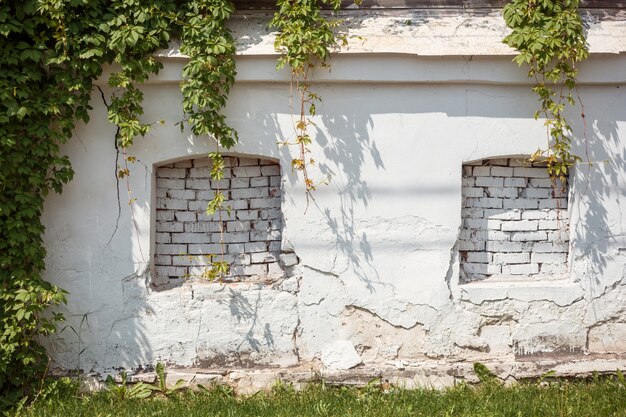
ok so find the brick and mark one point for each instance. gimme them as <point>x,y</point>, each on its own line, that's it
<point>288,259</point>
<point>248,162</point>
<point>538,214</point>
<point>474,163</point>
<point>473,192</point>
<point>264,202</point>
<point>511,258</point>
<point>489,182</point>
<point>222,184</point>
<point>274,269</point>
<point>465,245</point>
<point>206,195</point>
<point>528,236</point>
<point>247,214</point>
<point>496,235</point>
<point>238,226</point>
<point>176,184</point>
<point>521,203</point>
<point>189,260</point>
<point>171,172</point>
<point>503,246</point>
<point>553,203</point>
<point>260,182</point>
<point>515,182</point>
<point>171,271</point>
<point>274,246</point>
<point>467,171</point>
<point>204,249</point>
<point>231,161</point>
<point>240,183</point>
<point>502,214</point>
<point>162,238</point>
<point>262,257</point>
<point>472,212</point>
<point>537,192</point>
<point>549,224</point>
<point>260,235</point>
<point>168,203</point>
<point>520,225</point>
<point>550,258</point>
<point>275,181</point>
<point>271,213</point>
<point>260,192</point>
<point>499,162</point>
<point>481,268</point>
<point>522,269</point>
<point>169,227</point>
<point>482,171</point>
<point>550,247</point>
<point>201,162</point>
<point>477,257</point>
<point>236,248</point>
<point>231,237</point>
<point>198,205</point>
<point>558,236</point>
<point>256,269</point>
<point>547,268</point>
<point>181,194</point>
<point>162,260</point>
<point>186,216</point>
<point>485,202</point>
<point>468,182</point>
<point>161,192</point>
<point>164,249</point>
<point>165,215</point>
<point>242,258</point>
<point>262,225</point>
<point>501,192</point>
<point>190,238</point>
<point>501,172</point>
<point>198,184</point>
<point>222,215</point>
<point>251,171</point>
<point>530,172</point>
<point>269,170</point>
<point>541,182</point>
<point>475,223</point>
<point>203,227</point>
<point>256,247</point>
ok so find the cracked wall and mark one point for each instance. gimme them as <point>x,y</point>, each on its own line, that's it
<point>371,269</point>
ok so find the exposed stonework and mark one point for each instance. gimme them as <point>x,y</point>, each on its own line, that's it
<point>515,221</point>
<point>247,234</point>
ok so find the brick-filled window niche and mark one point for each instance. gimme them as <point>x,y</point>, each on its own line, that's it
<point>515,222</point>
<point>185,236</point>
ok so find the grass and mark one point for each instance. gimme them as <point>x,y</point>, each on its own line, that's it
<point>585,398</point>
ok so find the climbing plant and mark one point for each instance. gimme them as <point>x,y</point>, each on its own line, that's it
<point>550,40</point>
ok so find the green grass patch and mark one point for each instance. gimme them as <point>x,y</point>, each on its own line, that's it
<point>589,398</point>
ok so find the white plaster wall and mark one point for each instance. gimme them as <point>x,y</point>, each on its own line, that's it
<point>378,262</point>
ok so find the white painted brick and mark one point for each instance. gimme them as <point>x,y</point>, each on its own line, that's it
<point>161,192</point>
<point>164,249</point>
<point>547,268</point>
<point>171,271</point>
<point>550,258</point>
<point>550,247</point>
<point>474,163</point>
<point>546,183</point>
<point>473,192</point>
<point>182,194</point>
<point>468,181</point>
<point>190,238</point>
<point>522,269</point>
<point>484,202</point>
<point>202,227</point>
<point>260,192</point>
<point>471,223</point>
<point>248,162</point>
<point>241,258</point>
<point>169,227</point>
<point>204,249</point>
<point>482,171</point>
<point>505,246</point>
<point>188,260</point>
<point>288,259</point>
<point>264,202</point>
<point>269,170</point>
<point>482,268</point>
<point>558,236</point>
<point>171,204</point>
<point>184,164</point>
<point>467,171</point>
<point>222,184</point>
<point>201,162</point>
<point>537,192</point>
<point>231,161</point>
<point>247,214</point>
<point>501,172</point>
<point>502,214</point>
<point>530,172</point>
<point>171,172</point>
<point>262,257</point>
<point>163,237</point>
<point>537,214</point>
<point>170,183</point>
<point>260,235</point>
<point>256,269</point>
<point>274,269</point>
<point>275,181</point>
<point>251,171</point>
<point>186,216</point>
<point>494,224</point>
<point>478,257</point>
<point>465,245</point>
<point>499,162</point>
<point>553,203</point>
<point>515,182</point>
<point>165,215</point>
<point>549,224</point>
<point>198,205</point>
<point>519,162</point>
<point>206,195</point>
<point>274,246</point>
<point>528,236</point>
<point>270,213</point>
<point>236,204</point>
<point>520,225</point>
<point>238,226</point>
<point>256,247</point>
<point>231,237</point>
<point>200,173</point>
<point>162,260</point>
<point>262,225</point>
<point>222,215</point>
<point>521,203</point>
<point>198,184</point>
<point>511,258</point>
<point>501,192</point>
<point>496,235</point>
<point>489,182</point>
<point>472,212</point>
<point>240,183</point>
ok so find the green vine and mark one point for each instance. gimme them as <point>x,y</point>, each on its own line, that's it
<point>550,39</point>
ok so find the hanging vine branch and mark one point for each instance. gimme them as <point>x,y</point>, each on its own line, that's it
<point>549,36</point>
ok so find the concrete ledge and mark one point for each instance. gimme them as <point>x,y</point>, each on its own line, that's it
<point>562,293</point>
